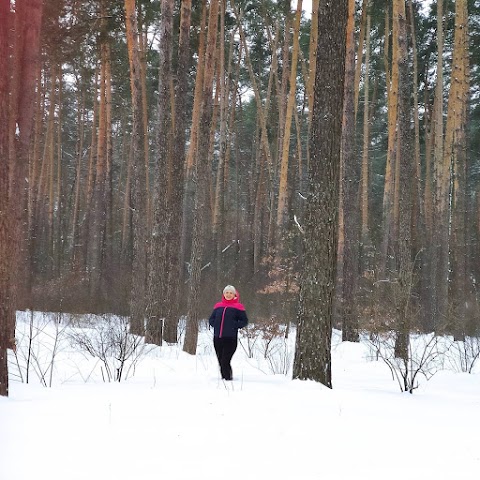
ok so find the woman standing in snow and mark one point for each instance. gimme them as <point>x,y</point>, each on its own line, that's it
<point>227,317</point>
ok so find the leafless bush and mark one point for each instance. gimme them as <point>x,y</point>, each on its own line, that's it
<point>465,354</point>
<point>107,338</point>
<point>38,345</point>
<point>424,354</point>
<point>267,337</point>
<point>248,338</point>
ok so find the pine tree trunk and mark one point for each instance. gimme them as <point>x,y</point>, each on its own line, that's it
<point>285,150</point>
<point>365,240</point>
<point>350,185</point>
<point>158,254</point>
<point>98,214</point>
<point>405,170</point>
<point>314,330</point>
<point>139,213</point>
<point>7,317</point>
<point>439,246</point>
<point>175,203</point>
<point>201,181</point>
<point>28,20</point>
<point>388,221</point>
<point>457,149</point>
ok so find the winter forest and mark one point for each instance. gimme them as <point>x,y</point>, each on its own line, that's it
<point>321,156</point>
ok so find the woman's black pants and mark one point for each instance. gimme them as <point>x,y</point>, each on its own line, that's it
<point>225,348</point>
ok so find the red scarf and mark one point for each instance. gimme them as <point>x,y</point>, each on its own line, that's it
<point>234,303</point>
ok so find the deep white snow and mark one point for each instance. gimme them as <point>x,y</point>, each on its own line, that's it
<point>173,418</point>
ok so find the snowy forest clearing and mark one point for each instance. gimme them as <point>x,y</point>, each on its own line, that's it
<point>172,417</point>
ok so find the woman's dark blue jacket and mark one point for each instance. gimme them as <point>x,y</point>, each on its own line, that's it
<point>226,320</point>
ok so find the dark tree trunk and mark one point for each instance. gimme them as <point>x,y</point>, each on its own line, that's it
<point>201,181</point>
<point>404,146</point>
<point>158,260</point>
<point>350,185</point>
<point>28,21</point>
<point>314,331</point>
<point>139,203</point>
<point>175,201</point>
<point>6,310</point>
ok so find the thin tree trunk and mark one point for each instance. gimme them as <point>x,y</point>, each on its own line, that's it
<point>97,214</point>
<point>365,183</point>
<point>405,171</point>
<point>439,247</point>
<point>350,185</point>
<point>456,147</point>
<point>188,199</point>
<point>139,217</point>
<point>7,317</point>
<point>361,38</point>
<point>291,104</point>
<point>389,184</point>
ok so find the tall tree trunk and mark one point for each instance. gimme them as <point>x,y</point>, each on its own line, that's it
<point>175,202</point>
<point>285,151</point>
<point>314,330</point>
<point>439,246</point>
<point>139,217</point>
<point>7,317</point>
<point>158,258</point>
<point>201,177</point>
<point>388,221</point>
<point>361,38</point>
<point>188,199</point>
<point>365,240</point>
<point>403,241</point>
<point>350,184</point>
<point>456,148</point>
<point>98,213</point>
<point>28,20</point>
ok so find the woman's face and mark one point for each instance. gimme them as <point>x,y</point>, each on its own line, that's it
<point>228,295</point>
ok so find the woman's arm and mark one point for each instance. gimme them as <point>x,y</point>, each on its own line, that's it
<point>242,319</point>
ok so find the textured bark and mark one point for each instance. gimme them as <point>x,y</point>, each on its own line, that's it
<point>201,181</point>
<point>189,193</point>
<point>139,220</point>
<point>175,201</point>
<point>405,171</point>
<point>219,221</point>
<point>365,183</point>
<point>350,186</point>
<point>456,148</point>
<point>361,39</point>
<point>312,55</point>
<point>439,247</point>
<point>157,290</point>
<point>97,215</point>
<point>314,330</point>
<point>28,20</point>
<point>417,206</point>
<point>6,310</point>
<point>388,220</point>
<point>291,104</point>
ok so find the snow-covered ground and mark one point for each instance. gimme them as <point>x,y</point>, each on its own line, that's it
<point>171,417</point>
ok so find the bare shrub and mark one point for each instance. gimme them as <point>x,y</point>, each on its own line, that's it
<point>267,338</point>
<point>425,352</point>
<point>38,344</point>
<point>465,354</point>
<point>107,338</point>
